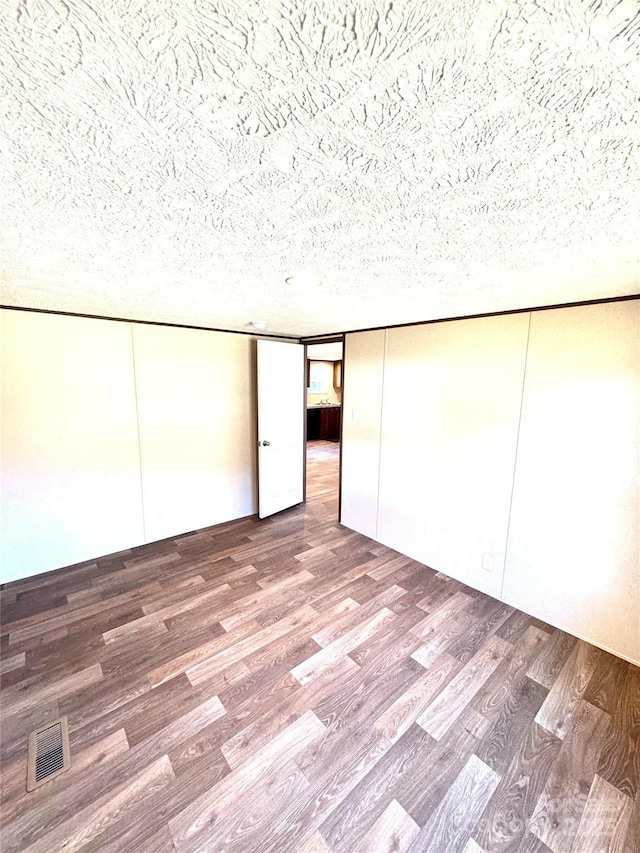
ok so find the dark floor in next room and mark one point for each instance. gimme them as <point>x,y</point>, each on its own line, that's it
<point>290,685</point>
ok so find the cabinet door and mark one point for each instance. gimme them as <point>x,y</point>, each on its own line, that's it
<point>335,426</point>
<point>324,423</point>
<point>330,423</point>
<point>313,424</point>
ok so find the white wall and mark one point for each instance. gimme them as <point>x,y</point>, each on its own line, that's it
<point>70,487</point>
<point>88,467</point>
<point>450,421</point>
<point>453,456</point>
<point>573,552</point>
<point>196,411</point>
<point>361,420</point>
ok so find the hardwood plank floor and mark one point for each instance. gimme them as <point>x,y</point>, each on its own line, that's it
<point>290,685</point>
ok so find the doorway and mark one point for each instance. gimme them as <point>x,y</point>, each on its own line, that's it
<point>324,374</point>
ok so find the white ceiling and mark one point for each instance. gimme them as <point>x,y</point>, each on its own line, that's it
<point>177,160</point>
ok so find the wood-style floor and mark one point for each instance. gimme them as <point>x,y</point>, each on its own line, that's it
<point>289,685</point>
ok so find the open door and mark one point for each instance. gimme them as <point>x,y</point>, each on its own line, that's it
<point>280,426</point>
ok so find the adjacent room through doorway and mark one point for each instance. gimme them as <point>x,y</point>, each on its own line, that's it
<point>324,420</point>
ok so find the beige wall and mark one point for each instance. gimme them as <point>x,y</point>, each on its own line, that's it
<point>441,411</point>
<point>102,451</point>
<point>573,553</point>
<point>361,420</point>
<point>195,393</point>
<point>334,395</point>
<point>450,418</point>
<point>70,487</point>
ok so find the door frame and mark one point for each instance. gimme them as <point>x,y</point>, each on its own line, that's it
<point>304,427</point>
<point>307,342</point>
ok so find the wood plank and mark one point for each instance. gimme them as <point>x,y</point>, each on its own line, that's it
<point>388,779</point>
<point>399,716</point>
<point>265,727</point>
<point>473,847</point>
<point>448,608</point>
<point>607,683</point>
<point>179,665</point>
<point>347,710</point>
<point>281,589</point>
<point>449,827</point>
<point>190,826</point>
<point>510,700</point>
<point>18,700</point>
<point>160,842</point>
<point>619,761</point>
<point>443,760</point>
<point>248,645</point>
<point>557,710</point>
<point>547,666</point>
<point>605,820</point>
<point>620,754</point>
<point>8,664</point>
<point>442,640</point>
<point>632,842</point>
<point>315,844</point>
<point>531,844</point>
<point>516,625</point>
<point>332,632</point>
<point>256,810</point>
<point>514,720</point>
<point>68,614</point>
<point>393,832</point>
<point>558,812</point>
<point>165,803</point>
<point>183,590</point>
<point>154,620</point>
<point>280,650</point>
<point>504,822</point>
<point>314,666</point>
<point>488,620</point>
<point>445,709</point>
<point>100,752</point>
<point>180,729</point>
<point>95,819</point>
<point>354,759</point>
<point>389,567</point>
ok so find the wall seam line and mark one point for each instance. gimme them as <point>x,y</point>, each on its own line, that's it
<point>384,367</point>
<point>515,457</point>
<point>135,394</point>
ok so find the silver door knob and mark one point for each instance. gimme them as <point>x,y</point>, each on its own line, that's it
<point>266,443</point>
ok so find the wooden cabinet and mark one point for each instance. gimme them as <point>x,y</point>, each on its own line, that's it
<point>313,424</point>
<point>330,423</point>
<point>337,374</point>
<point>324,423</point>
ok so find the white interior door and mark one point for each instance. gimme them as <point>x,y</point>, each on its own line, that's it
<point>280,426</point>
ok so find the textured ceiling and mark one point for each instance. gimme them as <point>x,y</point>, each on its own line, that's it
<point>177,161</point>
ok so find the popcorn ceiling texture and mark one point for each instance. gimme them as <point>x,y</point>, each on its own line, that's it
<point>177,160</point>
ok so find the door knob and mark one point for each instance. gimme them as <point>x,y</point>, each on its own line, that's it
<point>266,443</point>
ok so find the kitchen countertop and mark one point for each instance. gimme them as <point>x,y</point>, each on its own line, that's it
<point>324,405</point>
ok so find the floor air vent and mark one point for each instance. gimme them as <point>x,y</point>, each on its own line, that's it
<point>48,753</point>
